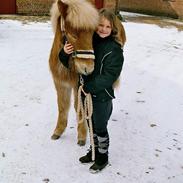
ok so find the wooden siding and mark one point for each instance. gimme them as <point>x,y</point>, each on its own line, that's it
<point>8,7</point>
<point>155,7</point>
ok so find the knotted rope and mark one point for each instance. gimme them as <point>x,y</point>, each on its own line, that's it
<point>84,113</point>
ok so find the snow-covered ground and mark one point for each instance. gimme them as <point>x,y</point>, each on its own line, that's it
<point>146,127</point>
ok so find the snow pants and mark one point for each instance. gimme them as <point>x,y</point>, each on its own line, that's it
<point>101,114</point>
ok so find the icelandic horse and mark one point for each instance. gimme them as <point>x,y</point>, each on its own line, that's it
<point>75,20</point>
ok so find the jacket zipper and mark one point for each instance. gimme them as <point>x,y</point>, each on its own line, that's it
<point>101,70</point>
<point>103,60</point>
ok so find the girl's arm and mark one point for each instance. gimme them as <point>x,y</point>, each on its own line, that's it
<point>65,53</point>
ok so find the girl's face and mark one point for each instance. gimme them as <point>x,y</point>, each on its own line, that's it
<point>104,28</point>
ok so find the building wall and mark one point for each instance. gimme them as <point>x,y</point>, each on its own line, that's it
<point>177,5</point>
<point>42,7</point>
<point>34,7</point>
<point>7,6</point>
<point>155,7</point>
<point>172,8</point>
<point>106,3</point>
<point>110,4</point>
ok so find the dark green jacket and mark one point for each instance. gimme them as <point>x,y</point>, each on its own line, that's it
<point>108,65</point>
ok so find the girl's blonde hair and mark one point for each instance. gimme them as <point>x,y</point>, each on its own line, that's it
<point>118,31</point>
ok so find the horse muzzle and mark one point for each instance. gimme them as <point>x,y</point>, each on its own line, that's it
<point>84,61</point>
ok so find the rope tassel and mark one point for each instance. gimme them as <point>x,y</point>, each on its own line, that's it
<point>84,113</point>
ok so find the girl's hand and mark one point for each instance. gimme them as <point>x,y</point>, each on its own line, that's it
<point>68,48</point>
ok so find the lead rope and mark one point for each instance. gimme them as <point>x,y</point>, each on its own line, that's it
<point>84,113</point>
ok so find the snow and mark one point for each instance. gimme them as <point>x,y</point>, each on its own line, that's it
<point>146,137</point>
<point>131,14</point>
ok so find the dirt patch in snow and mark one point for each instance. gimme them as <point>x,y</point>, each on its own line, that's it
<point>160,21</point>
<point>25,19</point>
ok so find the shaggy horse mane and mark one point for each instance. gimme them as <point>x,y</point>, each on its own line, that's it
<point>81,14</point>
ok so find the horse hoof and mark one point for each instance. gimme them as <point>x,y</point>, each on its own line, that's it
<point>81,142</point>
<point>55,137</point>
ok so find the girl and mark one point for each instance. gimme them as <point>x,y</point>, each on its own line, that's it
<point>108,65</point>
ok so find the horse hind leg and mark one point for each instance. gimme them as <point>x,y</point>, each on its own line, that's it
<point>63,99</point>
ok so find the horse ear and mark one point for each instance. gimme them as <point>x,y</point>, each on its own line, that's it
<point>62,8</point>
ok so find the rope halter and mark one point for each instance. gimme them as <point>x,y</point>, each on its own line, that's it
<point>86,54</point>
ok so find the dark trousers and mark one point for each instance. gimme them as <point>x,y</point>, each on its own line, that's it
<point>101,114</point>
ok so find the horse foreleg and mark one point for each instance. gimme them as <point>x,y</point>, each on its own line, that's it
<point>82,134</point>
<point>63,99</point>
<point>81,128</point>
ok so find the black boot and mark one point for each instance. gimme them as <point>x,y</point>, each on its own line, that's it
<point>101,162</point>
<point>88,157</point>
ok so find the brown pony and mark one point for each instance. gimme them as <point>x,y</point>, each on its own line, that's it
<point>75,20</point>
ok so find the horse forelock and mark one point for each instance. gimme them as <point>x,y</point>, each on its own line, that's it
<point>81,14</point>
